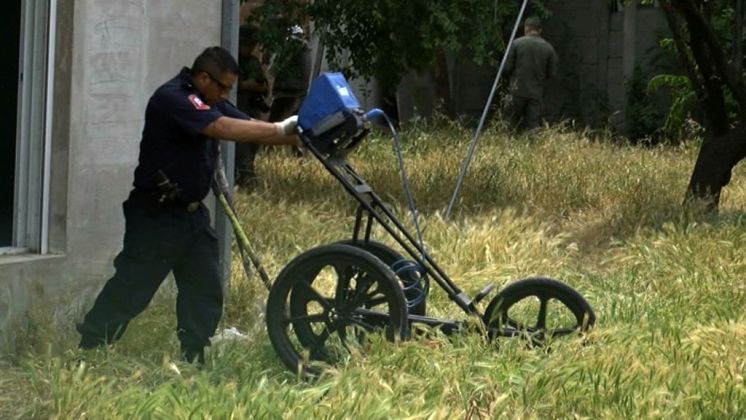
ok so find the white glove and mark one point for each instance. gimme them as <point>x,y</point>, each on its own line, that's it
<point>287,126</point>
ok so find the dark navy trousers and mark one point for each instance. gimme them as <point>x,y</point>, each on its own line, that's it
<point>159,239</point>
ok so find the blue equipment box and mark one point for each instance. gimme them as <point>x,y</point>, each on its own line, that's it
<point>328,104</point>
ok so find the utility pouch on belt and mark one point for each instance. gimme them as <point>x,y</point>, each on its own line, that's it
<point>167,191</point>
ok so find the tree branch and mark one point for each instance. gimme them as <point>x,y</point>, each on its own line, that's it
<point>695,19</point>
<point>681,47</point>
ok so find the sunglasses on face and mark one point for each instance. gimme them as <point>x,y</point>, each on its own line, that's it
<point>220,84</point>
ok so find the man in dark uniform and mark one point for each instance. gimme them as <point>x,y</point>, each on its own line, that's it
<point>167,228</point>
<point>531,62</point>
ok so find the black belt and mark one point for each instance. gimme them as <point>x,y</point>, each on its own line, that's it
<point>157,200</point>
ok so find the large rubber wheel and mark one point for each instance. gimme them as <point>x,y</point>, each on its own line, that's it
<point>389,257</point>
<point>327,300</point>
<point>538,309</point>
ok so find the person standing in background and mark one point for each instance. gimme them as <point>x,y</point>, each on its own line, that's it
<point>291,77</point>
<point>252,91</point>
<point>531,62</point>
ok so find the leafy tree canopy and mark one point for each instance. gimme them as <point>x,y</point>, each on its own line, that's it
<point>387,38</point>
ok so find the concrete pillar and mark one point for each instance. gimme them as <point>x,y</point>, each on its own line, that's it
<point>229,41</point>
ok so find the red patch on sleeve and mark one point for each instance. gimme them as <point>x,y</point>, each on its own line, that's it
<point>198,104</point>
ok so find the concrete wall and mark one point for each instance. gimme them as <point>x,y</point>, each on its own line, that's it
<point>111,56</point>
<point>589,39</point>
<point>650,25</point>
<point>590,88</point>
<point>578,30</point>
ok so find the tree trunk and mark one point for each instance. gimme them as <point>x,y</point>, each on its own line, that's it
<point>712,170</point>
<point>725,140</point>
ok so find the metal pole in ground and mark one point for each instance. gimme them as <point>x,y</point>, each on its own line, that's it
<point>229,41</point>
<point>472,145</point>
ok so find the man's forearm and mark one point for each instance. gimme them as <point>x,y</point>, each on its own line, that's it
<point>238,130</point>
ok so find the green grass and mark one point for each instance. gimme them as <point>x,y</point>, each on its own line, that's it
<point>667,287</point>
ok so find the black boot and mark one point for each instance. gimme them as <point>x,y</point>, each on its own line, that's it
<point>193,355</point>
<point>87,339</point>
<point>88,342</point>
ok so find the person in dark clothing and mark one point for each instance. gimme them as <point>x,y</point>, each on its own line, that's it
<point>291,78</point>
<point>252,80</point>
<point>252,90</point>
<point>167,228</point>
<point>531,62</point>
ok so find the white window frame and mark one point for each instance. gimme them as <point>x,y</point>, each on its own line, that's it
<point>34,128</point>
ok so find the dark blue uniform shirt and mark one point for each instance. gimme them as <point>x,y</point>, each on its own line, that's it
<point>172,140</point>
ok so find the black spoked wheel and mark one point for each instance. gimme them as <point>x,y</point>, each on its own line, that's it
<point>390,257</point>
<point>327,300</point>
<point>538,309</point>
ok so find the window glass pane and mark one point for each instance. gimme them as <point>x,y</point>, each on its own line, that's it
<point>10,20</point>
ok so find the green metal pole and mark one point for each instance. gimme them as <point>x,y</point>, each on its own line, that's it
<point>244,244</point>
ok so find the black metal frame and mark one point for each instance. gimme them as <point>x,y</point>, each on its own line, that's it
<point>373,208</point>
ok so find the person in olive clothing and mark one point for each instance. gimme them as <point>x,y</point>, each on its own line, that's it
<point>251,99</point>
<point>531,62</point>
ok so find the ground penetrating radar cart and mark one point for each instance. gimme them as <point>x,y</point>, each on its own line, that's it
<point>327,300</point>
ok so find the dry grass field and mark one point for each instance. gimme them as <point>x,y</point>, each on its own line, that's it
<point>668,288</point>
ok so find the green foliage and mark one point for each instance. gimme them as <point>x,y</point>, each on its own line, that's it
<point>642,117</point>
<point>274,19</point>
<point>721,17</point>
<point>386,38</point>
<point>682,97</point>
